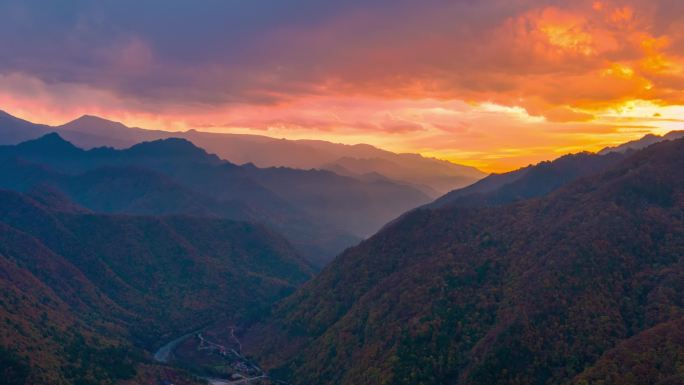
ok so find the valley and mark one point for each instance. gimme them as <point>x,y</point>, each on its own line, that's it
<point>319,212</point>
<point>390,305</point>
<point>342,192</point>
<point>164,242</point>
<point>492,293</point>
<point>215,355</point>
<point>437,293</point>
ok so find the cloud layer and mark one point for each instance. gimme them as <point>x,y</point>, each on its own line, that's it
<point>428,75</point>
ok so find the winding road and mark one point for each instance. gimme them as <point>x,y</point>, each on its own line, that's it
<point>165,353</point>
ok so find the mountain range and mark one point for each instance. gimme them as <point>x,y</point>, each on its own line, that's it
<point>580,285</point>
<point>432,176</point>
<point>529,182</point>
<point>644,142</point>
<point>319,211</point>
<point>566,272</point>
<point>545,177</point>
<point>84,295</point>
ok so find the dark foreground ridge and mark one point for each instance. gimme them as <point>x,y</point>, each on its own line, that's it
<point>578,287</point>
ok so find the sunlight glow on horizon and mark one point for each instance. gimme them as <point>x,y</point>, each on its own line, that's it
<point>637,118</point>
<point>551,79</point>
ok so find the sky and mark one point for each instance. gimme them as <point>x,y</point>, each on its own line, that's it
<point>495,84</point>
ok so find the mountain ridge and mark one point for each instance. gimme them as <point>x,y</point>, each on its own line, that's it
<point>90,131</point>
<point>320,211</point>
<point>530,292</point>
<point>86,296</point>
<point>529,182</point>
<point>645,141</point>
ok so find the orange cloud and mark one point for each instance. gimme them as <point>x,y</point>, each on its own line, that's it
<point>496,83</point>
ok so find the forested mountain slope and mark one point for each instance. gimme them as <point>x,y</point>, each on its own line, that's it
<point>545,291</point>
<point>86,296</point>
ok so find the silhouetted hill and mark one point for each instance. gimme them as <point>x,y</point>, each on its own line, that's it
<point>358,207</point>
<point>124,189</point>
<point>545,291</point>
<point>529,182</point>
<point>320,212</point>
<point>60,154</point>
<point>644,142</point>
<point>103,129</point>
<point>88,131</point>
<point>545,177</point>
<point>431,177</point>
<point>179,150</point>
<point>14,130</point>
<point>49,145</point>
<point>85,295</point>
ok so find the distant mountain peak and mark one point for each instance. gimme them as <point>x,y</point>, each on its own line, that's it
<point>644,142</point>
<point>51,143</point>
<point>93,122</point>
<point>95,118</point>
<point>87,116</point>
<point>90,132</point>
<point>176,143</point>
<point>173,147</point>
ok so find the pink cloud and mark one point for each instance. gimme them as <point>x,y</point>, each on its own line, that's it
<point>489,79</point>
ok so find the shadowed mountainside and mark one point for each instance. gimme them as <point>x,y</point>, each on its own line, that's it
<point>431,176</point>
<point>548,290</point>
<point>545,177</point>
<point>529,182</point>
<point>319,211</point>
<point>84,295</point>
<point>644,142</point>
